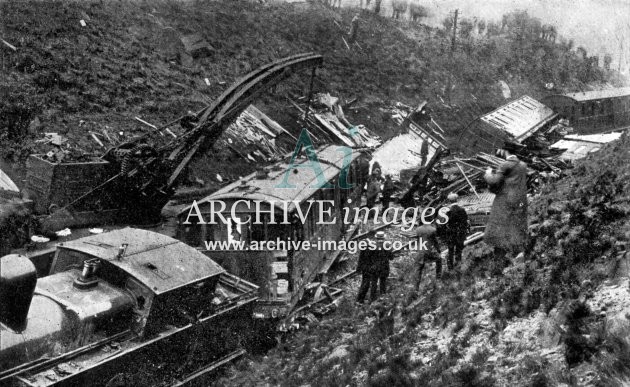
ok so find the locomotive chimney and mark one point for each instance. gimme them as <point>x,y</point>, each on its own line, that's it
<point>87,279</point>
<point>121,251</point>
<point>18,278</point>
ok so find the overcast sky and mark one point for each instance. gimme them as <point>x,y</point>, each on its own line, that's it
<point>595,24</point>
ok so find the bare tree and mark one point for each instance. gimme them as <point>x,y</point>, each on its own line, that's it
<point>417,11</point>
<point>400,7</point>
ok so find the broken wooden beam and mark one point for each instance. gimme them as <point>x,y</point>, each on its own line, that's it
<point>468,181</point>
<point>150,125</point>
<point>12,47</point>
<point>346,43</point>
<point>97,140</point>
<point>456,160</point>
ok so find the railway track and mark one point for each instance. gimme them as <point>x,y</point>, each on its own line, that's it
<point>207,370</point>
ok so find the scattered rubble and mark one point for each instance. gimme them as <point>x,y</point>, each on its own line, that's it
<point>323,117</point>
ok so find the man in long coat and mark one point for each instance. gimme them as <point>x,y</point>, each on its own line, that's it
<point>507,226</point>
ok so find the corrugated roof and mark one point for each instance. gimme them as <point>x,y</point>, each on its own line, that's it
<point>599,94</point>
<point>519,118</point>
<point>158,261</point>
<point>252,188</point>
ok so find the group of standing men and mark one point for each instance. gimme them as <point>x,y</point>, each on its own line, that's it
<point>374,264</point>
<point>374,268</point>
<point>374,182</point>
<point>506,231</point>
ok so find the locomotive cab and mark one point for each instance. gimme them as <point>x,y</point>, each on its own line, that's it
<point>131,284</point>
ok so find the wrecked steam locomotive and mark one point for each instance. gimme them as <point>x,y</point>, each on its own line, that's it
<point>127,300</point>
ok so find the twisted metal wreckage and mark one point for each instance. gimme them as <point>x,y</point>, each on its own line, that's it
<point>83,310</point>
<point>155,308</point>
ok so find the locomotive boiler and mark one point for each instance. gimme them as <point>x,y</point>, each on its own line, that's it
<point>127,302</point>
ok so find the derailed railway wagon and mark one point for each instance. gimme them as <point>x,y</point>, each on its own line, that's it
<point>282,274</point>
<point>516,123</point>
<point>124,305</point>
<point>594,111</point>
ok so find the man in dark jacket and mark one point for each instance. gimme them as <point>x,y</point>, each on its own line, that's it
<point>456,231</point>
<point>368,278</point>
<point>373,189</point>
<point>388,191</point>
<point>382,262</point>
<point>374,268</point>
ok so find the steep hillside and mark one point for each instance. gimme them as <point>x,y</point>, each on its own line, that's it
<point>559,317</point>
<point>68,78</point>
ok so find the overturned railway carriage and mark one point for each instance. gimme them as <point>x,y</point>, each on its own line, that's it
<point>281,274</point>
<point>591,112</point>
<point>516,122</point>
<point>119,302</point>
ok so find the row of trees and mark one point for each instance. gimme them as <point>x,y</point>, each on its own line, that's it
<point>517,24</point>
<point>528,47</point>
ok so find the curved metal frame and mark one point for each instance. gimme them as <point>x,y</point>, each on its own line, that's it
<point>154,181</point>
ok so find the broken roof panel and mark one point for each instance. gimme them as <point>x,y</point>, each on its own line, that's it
<point>402,152</point>
<point>519,118</point>
<point>252,136</point>
<point>270,127</point>
<point>602,138</point>
<point>251,187</point>
<point>599,94</point>
<point>579,146</point>
<point>326,123</point>
<point>574,150</point>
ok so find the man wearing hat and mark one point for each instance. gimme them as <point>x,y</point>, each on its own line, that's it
<point>456,231</point>
<point>374,268</point>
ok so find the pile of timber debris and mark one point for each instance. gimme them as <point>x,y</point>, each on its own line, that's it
<point>326,123</point>
<point>444,173</point>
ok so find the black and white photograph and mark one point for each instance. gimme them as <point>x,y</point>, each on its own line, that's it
<point>309,193</point>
